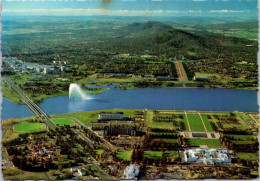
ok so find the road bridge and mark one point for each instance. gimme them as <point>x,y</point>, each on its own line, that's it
<point>31,105</point>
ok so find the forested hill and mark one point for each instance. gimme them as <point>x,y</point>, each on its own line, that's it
<point>150,27</point>
<point>164,39</point>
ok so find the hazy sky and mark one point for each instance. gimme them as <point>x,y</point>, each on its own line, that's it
<point>131,7</point>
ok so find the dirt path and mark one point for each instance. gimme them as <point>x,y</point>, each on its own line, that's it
<point>180,71</point>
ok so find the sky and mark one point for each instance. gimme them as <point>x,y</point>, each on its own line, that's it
<point>131,7</point>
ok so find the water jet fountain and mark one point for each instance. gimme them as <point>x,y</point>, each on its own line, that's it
<point>77,93</point>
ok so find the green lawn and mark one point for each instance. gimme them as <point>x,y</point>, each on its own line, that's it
<point>195,122</point>
<point>201,141</point>
<point>87,116</point>
<point>171,154</point>
<point>167,140</point>
<point>125,155</point>
<point>26,127</point>
<point>248,156</point>
<point>207,123</point>
<point>27,176</point>
<point>153,154</point>
<point>185,122</point>
<point>158,154</point>
<point>62,121</point>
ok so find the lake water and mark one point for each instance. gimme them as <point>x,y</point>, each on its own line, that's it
<point>203,99</point>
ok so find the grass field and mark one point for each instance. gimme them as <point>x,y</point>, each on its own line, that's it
<point>62,121</point>
<point>153,154</point>
<point>87,116</point>
<point>27,176</point>
<point>185,122</point>
<point>200,141</point>
<point>195,122</point>
<point>125,155</point>
<point>26,127</point>
<point>207,123</point>
<point>248,156</point>
<point>158,154</point>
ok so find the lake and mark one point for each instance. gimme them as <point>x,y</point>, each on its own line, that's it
<point>203,99</point>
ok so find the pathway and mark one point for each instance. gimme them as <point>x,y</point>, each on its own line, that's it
<point>187,120</point>
<point>202,121</point>
<point>254,119</point>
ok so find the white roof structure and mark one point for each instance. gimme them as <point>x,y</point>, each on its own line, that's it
<point>207,155</point>
<point>131,172</point>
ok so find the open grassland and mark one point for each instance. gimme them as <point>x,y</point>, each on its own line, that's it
<point>87,116</point>
<point>200,141</point>
<point>62,121</point>
<point>195,122</point>
<point>27,127</point>
<point>125,155</point>
<point>207,123</point>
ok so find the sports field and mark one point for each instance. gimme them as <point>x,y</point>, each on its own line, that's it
<point>62,121</point>
<point>27,127</point>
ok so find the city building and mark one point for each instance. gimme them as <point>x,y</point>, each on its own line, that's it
<point>111,116</point>
<point>131,172</point>
<point>120,130</point>
<point>207,156</point>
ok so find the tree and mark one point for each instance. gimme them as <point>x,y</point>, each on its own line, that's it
<point>60,167</point>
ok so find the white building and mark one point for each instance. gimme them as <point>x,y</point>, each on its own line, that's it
<point>131,172</point>
<point>63,68</point>
<point>111,116</point>
<point>46,70</point>
<point>207,156</point>
<point>82,171</point>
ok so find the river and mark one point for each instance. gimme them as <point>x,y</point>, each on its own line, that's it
<point>203,99</point>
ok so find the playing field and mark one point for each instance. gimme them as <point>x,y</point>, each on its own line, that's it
<point>62,121</point>
<point>27,127</point>
<point>195,122</point>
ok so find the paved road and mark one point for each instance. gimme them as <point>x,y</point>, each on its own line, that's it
<point>106,143</point>
<point>182,78</point>
<point>32,106</point>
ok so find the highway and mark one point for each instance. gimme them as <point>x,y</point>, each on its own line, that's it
<point>32,106</point>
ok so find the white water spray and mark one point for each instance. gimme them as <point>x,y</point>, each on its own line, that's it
<point>77,93</point>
